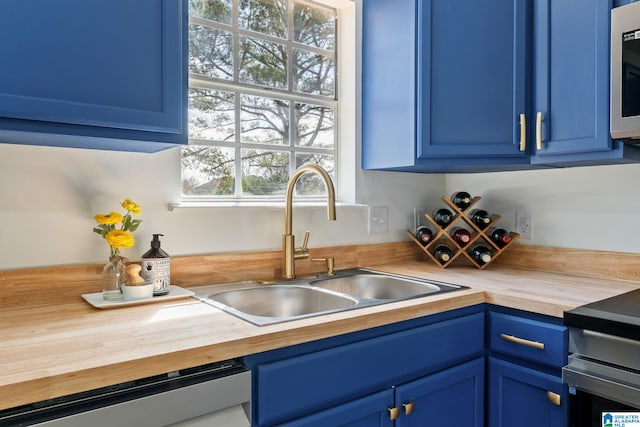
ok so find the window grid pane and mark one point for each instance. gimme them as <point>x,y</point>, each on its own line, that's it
<point>246,141</point>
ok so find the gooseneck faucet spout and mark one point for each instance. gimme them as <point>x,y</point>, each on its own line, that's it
<point>289,252</point>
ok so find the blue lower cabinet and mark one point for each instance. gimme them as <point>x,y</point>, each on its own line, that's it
<point>525,397</point>
<point>322,380</point>
<point>453,397</point>
<point>369,411</point>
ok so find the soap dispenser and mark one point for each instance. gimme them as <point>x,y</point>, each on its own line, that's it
<point>156,268</point>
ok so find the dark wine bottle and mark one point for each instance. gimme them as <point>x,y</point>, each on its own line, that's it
<point>424,234</point>
<point>481,218</point>
<point>500,237</point>
<point>442,217</point>
<point>442,253</point>
<point>481,254</point>
<point>461,236</point>
<point>461,199</point>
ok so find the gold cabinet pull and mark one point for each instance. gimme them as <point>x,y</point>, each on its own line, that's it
<point>408,408</point>
<point>523,132</point>
<point>528,343</point>
<point>553,398</point>
<point>393,413</point>
<point>539,130</point>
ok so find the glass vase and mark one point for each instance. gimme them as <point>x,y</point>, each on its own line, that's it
<point>114,275</point>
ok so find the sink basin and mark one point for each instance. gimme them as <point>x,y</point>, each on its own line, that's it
<point>265,304</point>
<point>376,286</point>
<point>281,302</point>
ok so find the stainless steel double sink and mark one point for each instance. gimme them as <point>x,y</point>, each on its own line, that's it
<point>265,304</point>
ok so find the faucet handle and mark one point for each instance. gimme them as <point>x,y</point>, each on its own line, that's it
<point>330,262</point>
<point>303,251</point>
<point>305,242</point>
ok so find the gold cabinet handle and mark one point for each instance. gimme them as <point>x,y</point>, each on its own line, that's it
<point>553,398</point>
<point>408,408</point>
<point>523,132</point>
<point>393,413</point>
<point>539,130</point>
<point>528,343</point>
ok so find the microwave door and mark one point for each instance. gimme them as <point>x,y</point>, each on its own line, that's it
<point>625,73</point>
<point>631,74</point>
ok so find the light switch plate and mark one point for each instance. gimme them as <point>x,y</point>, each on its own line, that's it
<point>378,218</point>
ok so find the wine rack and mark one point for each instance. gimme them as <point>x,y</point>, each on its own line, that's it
<point>442,235</point>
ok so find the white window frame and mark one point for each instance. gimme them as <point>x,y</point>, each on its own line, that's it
<point>345,117</point>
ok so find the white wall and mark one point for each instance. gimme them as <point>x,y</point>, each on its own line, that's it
<point>590,207</point>
<point>48,197</point>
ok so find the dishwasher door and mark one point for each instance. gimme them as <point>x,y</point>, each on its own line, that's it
<point>217,395</point>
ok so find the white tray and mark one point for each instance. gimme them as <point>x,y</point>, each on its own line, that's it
<point>175,292</point>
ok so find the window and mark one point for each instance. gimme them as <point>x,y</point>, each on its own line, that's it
<point>262,100</point>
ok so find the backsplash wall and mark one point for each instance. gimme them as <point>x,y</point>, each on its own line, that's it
<point>48,197</point>
<point>587,208</point>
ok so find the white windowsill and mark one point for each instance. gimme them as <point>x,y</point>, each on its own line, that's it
<point>257,204</point>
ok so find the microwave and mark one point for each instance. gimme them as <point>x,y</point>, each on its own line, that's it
<point>625,73</point>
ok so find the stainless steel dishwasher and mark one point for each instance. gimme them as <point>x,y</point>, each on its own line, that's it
<point>213,395</point>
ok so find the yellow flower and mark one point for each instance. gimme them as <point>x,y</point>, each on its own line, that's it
<point>120,239</point>
<point>116,228</point>
<point>131,206</point>
<point>109,219</point>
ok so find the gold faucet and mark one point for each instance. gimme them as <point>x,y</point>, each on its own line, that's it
<point>289,252</point>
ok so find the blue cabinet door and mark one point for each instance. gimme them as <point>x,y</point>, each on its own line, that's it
<point>91,69</point>
<point>444,85</point>
<point>472,78</point>
<point>524,397</point>
<point>571,86</point>
<point>389,99</point>
<point>453,397</point>
<point>293,387</point>
<point>369,411</point>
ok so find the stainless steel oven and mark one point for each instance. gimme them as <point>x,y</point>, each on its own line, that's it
<point>603,373</point>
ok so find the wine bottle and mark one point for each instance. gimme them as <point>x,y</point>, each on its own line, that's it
<point>481,254</point>
<point>442,217</point>
<point>442,253</point>
<point>461,199</point>
<point>424,234</point>
<point>481,218</point>
<point>461,236</point>
<point>500,237</point>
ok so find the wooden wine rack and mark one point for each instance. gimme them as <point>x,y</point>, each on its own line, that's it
<point>442,236</point>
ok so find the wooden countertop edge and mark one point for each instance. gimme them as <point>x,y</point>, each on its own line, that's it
<point>13,394</point>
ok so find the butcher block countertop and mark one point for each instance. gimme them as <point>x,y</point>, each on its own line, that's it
<point>67,347</point>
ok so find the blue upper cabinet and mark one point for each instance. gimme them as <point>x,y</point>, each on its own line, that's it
<point>471,78</point>
<point>570,115</point>
<point>109,75</point>
<point>443,84</point>
<point>468,86</point>
<point>389,83</point>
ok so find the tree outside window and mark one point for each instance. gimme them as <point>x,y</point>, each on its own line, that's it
<point>262,98</point>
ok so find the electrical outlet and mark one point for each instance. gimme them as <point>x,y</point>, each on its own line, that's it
<point>378,218</point>
<point>524,224</point>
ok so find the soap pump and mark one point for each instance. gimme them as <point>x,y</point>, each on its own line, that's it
<point>156,268</point>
